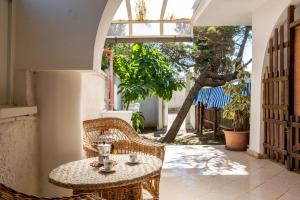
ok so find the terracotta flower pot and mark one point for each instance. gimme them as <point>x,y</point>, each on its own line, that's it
<point>236,140</point>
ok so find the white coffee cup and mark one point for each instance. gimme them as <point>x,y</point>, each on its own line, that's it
<point>133,157</point>
<point>108,164</point>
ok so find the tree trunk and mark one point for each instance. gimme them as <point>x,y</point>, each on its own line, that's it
<point>214,80</point>
<point>127,105</point>
<point>171,134</point>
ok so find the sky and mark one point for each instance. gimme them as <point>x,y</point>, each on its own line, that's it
<point>176,8</point>
<point>248,55</point>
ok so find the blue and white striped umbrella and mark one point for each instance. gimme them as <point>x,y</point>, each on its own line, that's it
<point>218,99</point>
<point>202,96</point>
<point>215,97</point>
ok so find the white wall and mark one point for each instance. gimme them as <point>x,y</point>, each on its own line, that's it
<point>4,6</point>
<point>177,99</point>
<point>149,107</point>
<point>57,33</point>
<point>92,94</point>
<point>117,97</point>
<point>19,150</point>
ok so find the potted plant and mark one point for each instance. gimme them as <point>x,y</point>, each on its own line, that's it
<point>238,110</point>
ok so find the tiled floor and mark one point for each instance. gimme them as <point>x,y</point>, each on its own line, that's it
<point>211,172</point>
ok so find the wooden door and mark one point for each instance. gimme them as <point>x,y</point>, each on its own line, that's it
<point>281,95</point>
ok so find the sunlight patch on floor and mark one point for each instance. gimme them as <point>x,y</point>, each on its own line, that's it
<point>207,159</point>
<point>210,172</point>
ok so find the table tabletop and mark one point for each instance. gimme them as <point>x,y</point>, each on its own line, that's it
<point>80,175</point>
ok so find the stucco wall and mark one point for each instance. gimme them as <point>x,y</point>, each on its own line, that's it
<point>177,99</point>
<point>149,107</point>
<point>92,94</point>
<point>56,33</point>
<point>19,153</point>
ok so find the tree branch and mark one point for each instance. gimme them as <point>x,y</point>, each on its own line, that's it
<point>249,61</point>
<point>218,77</point>
<point>242,47</point>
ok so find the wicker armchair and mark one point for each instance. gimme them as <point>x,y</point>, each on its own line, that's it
<point>7,193</point>
<point>124,139</point>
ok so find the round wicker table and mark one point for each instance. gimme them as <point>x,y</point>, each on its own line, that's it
<point>124,183</point>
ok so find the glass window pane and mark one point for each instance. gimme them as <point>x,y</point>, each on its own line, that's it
<point>179,9</point>
<point>118,30</point>
<point>121,13</point>
<point>177,29</point>
<point>145,29</point>
<point>152,9</point>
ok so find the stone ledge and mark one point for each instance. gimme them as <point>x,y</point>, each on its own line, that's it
<point>16,111</point>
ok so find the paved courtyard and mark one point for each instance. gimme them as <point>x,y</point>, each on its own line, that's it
<point>212,173</point>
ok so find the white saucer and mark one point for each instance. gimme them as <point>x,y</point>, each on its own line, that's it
<point>133,163</point>
<point>102,170</point>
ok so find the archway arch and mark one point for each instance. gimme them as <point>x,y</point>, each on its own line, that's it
<point>263,22</point>
<point>105,21</point>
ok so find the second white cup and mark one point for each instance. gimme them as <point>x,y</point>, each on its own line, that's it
<point>133,157</point>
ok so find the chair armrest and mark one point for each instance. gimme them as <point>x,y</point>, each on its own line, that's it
<point>149,147</point>
<point>90,151</point>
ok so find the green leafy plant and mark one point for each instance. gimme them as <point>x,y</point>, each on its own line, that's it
<point>144,71</point>
<point>105,62</point>
<point>238,110</point>
<point>137,120</point>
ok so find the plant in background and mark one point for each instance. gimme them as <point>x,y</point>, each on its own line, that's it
<point>238,110</point>
<point>144,71</point>
<point>137,120</point>
<point>105,62</point>
<point>214,56</point>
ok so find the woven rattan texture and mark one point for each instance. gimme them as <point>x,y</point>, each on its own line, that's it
<point>124,140</point>
<point>119,133</point>
<point>7,193</point>
<point>80,175</point>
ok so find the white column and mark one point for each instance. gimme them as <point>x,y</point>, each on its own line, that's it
<point>160,114</point>
<point>264,20</point>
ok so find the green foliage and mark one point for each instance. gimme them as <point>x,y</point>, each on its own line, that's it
<point>214,49</point>
<point>144,71</point>
<point>238,109</point>
<point>137,120</point>
<point>105,62</point>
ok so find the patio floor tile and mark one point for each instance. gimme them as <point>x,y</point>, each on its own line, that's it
<point>210,172</point>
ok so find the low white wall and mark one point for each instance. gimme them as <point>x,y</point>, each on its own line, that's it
<point>19,154</point>
<point>117,97</point>
<point>92,94</point>
<point>177,99</point>
<point>149,108</point>
<point>124,114</point>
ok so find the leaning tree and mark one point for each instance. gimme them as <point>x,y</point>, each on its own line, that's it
<point>216,56</point>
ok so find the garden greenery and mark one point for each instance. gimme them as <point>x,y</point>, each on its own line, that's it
<point>144,71</point>
<point>238,110</point>
<point>137,120</point>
